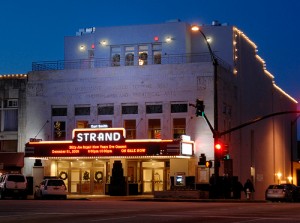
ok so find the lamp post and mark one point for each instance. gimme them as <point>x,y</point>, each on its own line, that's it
<point>216,127</point>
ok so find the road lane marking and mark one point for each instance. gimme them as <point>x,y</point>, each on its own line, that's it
<point>109,219</point>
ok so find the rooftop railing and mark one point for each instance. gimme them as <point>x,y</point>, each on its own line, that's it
<point>106,62</point>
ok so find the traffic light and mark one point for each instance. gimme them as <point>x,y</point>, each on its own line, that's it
<point>202,159</point>
<point>199,108</point>
<point>208,164</point>
<point>226,157</point>
<point>219,149</point>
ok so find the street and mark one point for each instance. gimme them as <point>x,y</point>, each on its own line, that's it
<point>114,210</point>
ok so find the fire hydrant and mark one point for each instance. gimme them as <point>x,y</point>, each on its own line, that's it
<point>248,193</point>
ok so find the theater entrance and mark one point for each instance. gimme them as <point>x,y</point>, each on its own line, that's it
<point>154,177</point>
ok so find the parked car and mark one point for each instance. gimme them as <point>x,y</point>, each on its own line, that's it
<point>13,185</point>
<point>51,188</point>
<point>282,192</point>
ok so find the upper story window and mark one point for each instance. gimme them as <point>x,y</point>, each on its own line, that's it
<point>154,129</point>
<point>130,127</point>
<point>115,56</point>
<point>156,53</point>
<point>59,130</point>
<point>129,109</point>
<point>82,110</point>
<point>179,127</point>
<point>129,55</point>
<point>179,107</point>
<point>151,109</point>
<point>143,55</point>
<point>106,109</point>
<point>11,103</point>
<point>108,123</point>
<point>59,111</point>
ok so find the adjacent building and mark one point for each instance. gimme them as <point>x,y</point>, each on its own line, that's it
<point>140,84</point>
<point>12,112</point>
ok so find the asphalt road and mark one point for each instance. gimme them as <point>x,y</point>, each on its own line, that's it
<point>82,211</point>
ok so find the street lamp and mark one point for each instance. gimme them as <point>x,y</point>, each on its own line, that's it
<point>216,127</point>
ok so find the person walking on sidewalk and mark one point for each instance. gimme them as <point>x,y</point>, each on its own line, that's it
<point>248,189</point>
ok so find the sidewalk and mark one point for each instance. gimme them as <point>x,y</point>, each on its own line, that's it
<point>151,198</point>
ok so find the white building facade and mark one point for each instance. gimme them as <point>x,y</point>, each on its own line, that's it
<point>144,78</point>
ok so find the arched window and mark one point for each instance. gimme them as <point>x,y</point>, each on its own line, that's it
<point>129,59</point>
<point>116,60</point>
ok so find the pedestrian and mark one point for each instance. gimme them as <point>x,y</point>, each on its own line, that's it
<point>248,189</point>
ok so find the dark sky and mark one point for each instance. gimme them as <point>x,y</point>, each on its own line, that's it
<point>34,30</point>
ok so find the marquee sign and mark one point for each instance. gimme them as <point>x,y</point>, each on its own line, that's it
<point>104,142</point>
<point>107,135</point>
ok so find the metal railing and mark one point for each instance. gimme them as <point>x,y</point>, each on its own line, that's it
<point>107,62</point>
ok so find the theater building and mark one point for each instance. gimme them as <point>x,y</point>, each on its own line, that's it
<point>127,94</point>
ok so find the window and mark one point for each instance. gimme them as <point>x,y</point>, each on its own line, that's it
<point>106,109</point>
<point>11,103</point>
<point>179,127</point>
<point>154,129</point>
<point>10,120</point>
<point>179,108</point>
<point>82,110</point>
<point>59,130</point>
<point>150,109</point>
<point>129,109</point>
<point>82,124</point>
<point>9,146</point>
<point>156,52</point>
<point>143,55</point>
<point>129,56</point>
<point>108,123</point>
<point>59,111</point>
<point>130,127</point>
<point>115,56</point>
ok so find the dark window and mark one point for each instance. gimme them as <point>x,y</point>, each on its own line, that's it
<point>105,110</point>
<point>59,111</point>
<point>179,126</point>
<point>82,110</point>
<point>130,109</point>
<point>153,109</point>
<point>10,120</point>
<point>130,127</point>
<point>179,108</point>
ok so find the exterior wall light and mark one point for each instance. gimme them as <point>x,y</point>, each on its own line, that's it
<point>169,39</point>
<point>82,47</point>
<point>103,42</point>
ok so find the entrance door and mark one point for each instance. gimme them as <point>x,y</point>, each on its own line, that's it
<point>75,181</point>
<point>153,180</point>
<point>147,180</point>
<point>80,181</point>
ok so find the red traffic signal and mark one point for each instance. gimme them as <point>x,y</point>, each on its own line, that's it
<point>218,146</point>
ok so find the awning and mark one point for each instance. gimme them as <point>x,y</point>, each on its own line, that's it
<point>12,160</point>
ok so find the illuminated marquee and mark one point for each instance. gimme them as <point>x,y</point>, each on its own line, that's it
<point>106,142</point>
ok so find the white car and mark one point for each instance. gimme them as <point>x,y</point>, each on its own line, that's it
<point>13,185</point>
<point>51,188</point>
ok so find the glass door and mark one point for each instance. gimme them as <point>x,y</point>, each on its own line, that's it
<point>158,179</point>
<point>75,181</point>
<point>147,180</point>
<point>86,181</point>
<point>153,176</point>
